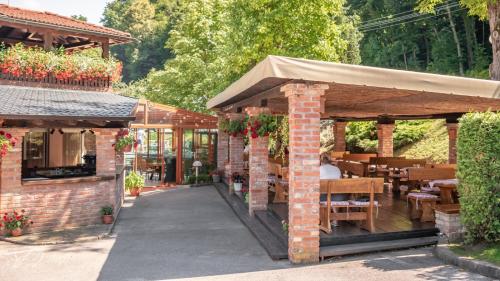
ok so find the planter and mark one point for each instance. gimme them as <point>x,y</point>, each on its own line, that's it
<point>215,178</point>
<point>127,148</point>
<point>107,219</point>
<point>16,232</point>
<point>135,191</point>
<point>237,186</point>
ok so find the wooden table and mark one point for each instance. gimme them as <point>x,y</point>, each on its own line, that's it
<point>446,193</point>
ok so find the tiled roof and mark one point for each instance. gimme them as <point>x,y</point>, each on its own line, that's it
<point>29,103</point>
<point>47,18</point>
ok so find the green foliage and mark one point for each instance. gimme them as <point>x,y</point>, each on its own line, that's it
<point>263,124</point>
<point>476,7</point>
<point>478,172</point>
<point>134,180</point>
<point>433,146</point>
<point>216,41</point>
<point>361,136</point>
<point>148,21</point>
<point>488,252</point>
<point>202,178</point>
<point>233,127</point>
<point>107,210</point>
<point>279,138</point>
<point>407,132</point>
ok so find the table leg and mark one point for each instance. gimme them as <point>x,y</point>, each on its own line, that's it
<point>446,196</point>
<point>428,210</point>
<point>414,212</point>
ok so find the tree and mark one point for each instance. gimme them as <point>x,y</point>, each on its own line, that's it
<point>216,41</point>
<point>149,22</point>
<point>485,9</point>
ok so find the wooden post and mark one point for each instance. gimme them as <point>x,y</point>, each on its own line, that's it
<point>178,165</point>
<point>105,48</point>
<point>47,41</point>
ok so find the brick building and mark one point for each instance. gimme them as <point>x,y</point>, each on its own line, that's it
<point>63,168</point>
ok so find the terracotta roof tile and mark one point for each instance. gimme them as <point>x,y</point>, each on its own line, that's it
<point>58,20</point>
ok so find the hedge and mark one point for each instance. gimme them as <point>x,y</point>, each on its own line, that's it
<point>478,172</point>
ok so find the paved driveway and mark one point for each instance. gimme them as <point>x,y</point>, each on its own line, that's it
<point>192,233</point>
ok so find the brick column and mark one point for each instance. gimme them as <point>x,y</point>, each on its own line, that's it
<point>258,164</point>
<point>339,136</point>
<point>452,138</point>
<point>105,152</point>
<point>11,173</point>
<point>222,147</point>
<point>385,141</point>
<point>236,150</point>
<point>304,108</point>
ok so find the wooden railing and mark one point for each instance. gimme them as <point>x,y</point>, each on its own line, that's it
<point>101,84</point>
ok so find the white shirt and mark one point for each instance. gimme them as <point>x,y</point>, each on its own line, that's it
<point>329,172</point>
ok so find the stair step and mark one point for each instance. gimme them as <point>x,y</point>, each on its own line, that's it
<point>358,248</point>
<point>274,225</point>
<point>268,240</point>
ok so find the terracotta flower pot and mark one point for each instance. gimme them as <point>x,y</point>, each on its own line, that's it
<point>135,191</point>
<point>127,148</point>
<point>107,219</point>
<point>16,232</point>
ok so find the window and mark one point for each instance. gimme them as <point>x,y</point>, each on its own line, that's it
<point>59,153</point>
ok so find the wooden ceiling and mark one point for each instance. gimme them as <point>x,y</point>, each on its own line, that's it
<point>352,102</point>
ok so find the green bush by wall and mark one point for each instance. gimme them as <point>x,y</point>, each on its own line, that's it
<point>478,149</point>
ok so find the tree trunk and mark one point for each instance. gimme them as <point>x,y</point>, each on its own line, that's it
<point>470,38</point>
<point>494,18</point>
<point>457,42</point>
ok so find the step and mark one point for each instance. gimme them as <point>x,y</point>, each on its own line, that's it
<point>268,240</point>
<point>378,237</point>
<point>358,248</point>
<point>273,224</point>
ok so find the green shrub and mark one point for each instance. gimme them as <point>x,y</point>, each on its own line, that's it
<point>478,149</point>
<point>202,178</point>
<point>134,180</point>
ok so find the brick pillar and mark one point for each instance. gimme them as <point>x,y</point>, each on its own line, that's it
<point>258,164</point>
<point>236,150</point>
<point>304,108</point>
<point>222,147</point>
<point>452,138</point>
<point>105,152</point>
<point>339,136</point>
<point>385,141</point>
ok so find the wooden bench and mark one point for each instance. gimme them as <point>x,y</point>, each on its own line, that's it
<point>355,210</point>
<point>359,156</point>
<point>351,169</point>
<point>378,162</point>
<point>422,206</point>
<point>336,155</point>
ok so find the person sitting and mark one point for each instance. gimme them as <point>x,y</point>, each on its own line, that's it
<point>329,172</point>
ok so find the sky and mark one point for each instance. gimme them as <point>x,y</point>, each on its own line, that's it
<point>92,9</point>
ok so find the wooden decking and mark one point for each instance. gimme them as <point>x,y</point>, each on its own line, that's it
<point>392,222</point>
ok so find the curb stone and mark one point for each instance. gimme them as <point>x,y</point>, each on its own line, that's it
<point>484,268</point>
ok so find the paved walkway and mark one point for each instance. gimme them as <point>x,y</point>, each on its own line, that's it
<point>192,233</point>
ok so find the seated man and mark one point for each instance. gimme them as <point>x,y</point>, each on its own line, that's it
<point>329,172</point>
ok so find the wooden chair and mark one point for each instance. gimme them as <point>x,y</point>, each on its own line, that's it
<point>355,210</point>
<point>336,155</point>
<point>280,183</point>
<point>351,168</point>
<point>377,164</point>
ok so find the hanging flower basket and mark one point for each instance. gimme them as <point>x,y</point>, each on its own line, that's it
<point>234,127</point>
<point>124,141</point>
<point>262,125</point>
<point>7,142</point>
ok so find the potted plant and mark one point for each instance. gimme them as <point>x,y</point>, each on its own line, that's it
<point>134,183</point>
<point>107,214</point>
<point>124,141</point>
<point>237,182</point>
<point>15,222</point>
<point>215,176</point>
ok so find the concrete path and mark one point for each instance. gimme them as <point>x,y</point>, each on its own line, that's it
<point>193,234</point>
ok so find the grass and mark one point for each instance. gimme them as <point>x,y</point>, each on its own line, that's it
<point>433,146</point>
<point>488,252</point>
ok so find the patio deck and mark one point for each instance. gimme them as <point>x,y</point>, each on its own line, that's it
<point>392,222</point>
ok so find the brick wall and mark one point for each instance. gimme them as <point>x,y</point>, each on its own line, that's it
<point>61,205</point>
<point>258,166</point>
<point>450,225</point>
<point>452,138</point>
<point>236,150</point>
<point>304,107</point>
<point>222,148</point>
<point>385,140</point>
<point>339,136</point>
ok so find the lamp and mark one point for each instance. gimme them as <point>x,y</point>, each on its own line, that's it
<point>197,164</point>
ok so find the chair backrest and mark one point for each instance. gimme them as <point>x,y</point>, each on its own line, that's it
<point>431,173</point>
<point>359,156</point>
<point>448,166</point>
<point>406,163</point>
<point>338,154</point>
<point>351,168</point>
<point>274,168</point>
<point>383,160</point>
<point>357,185</point>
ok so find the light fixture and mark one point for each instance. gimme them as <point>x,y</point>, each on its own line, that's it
<point>61,132</point>
<point>52,131</point>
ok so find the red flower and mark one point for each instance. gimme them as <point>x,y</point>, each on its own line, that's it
<point>8,136</point>
<point>2,133</point>
<point>245,132</point>
<point>254,135</point>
